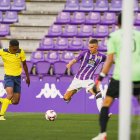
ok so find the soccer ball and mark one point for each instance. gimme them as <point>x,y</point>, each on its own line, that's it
<point>50,115</point>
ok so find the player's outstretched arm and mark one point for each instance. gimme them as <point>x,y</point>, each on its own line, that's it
<point>73,61</point>
<point>26,72</point>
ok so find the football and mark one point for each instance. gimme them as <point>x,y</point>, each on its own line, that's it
<point>50,115</point>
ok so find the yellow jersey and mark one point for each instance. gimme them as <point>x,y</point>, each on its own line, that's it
<point>12,62</point>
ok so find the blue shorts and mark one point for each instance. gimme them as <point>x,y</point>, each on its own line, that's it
<point>13,81</point>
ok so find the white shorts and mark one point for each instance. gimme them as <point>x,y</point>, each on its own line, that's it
<point>78,84</point>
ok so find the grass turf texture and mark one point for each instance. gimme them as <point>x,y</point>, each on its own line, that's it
<point>33,126</point>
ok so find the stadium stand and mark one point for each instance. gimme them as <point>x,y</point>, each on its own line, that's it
<point>55,30</point>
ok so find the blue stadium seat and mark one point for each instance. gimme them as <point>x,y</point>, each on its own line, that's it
<point>59,68</point>
<point>42,68</point>
<point>52,57</point>
<point>10,17</point>
<point>109,18</point>
<point>101,5</point>
<point>137,19</point>
<point>70,31</point>
<point>55,31</point>
<point>67,56</point>
<point>37,56</point>
<point>61,44</point>
<point>63,18</point>
<point>46,44</point>
<point>76,44</point>
<point>5,5</point>
<point>72,5</point>
<point>4,30</point>
<point>101,31</point>
<point>85,31</point>
<point>18,5</point>
<point>78,18</point>
<point>93,18</point>
<point>86,5</point>
<point>1,17</point>
<point>116,5</point>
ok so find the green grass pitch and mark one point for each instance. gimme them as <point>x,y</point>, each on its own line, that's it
<point>33,126</point>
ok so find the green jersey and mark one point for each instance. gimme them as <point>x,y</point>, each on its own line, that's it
<point>114,47</point>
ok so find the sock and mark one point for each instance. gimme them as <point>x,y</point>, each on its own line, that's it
<point>99,101</point>
<point>5,105</point>
<point>1,100</point>
<point>103,118</point>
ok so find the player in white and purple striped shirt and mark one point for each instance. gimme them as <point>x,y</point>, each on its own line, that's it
<point>90,60</point>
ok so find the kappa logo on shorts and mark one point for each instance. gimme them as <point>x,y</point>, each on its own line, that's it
<point>49,91</point>
<point>2,90</point>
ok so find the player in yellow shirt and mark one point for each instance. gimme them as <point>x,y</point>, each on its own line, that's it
<point>12,58</point>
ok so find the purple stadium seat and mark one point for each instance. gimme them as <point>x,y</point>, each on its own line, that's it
<point>78,18</point>
<point>76,44</point>
<point>5,5</point>
<point>59,68</point>
<point>116,5</point>
<point>86,5</point>
<point>103,45</point>
<point>30,65</point>
<point>18,5</point>
<point>136,5</point>
<point>55,31</point>
<point>52,57</point>
<point>63,18</point>
<point>61,43</point>
<point>46,43</point>
<point>137,19</point>
<point>10,17</point>
<point>137,28</point>
<point>75,68</point>
<point>101,31</point>
<point>109,18</point>
<point>1,17</point>
<point>4,29</point>
<point>67,56</point>
<point>85,31</point>
<point>93,18</point>
<point>101,5</point>
<point>72,5</point>
<point>66,78</point>
<point>113,28</point>
<point>37,56</point>
<point>43,67</point>
<point>70,31</point>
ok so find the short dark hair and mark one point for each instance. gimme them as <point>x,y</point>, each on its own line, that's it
<point>93,41</point>
<point>14,42</point>
<point>120,19</point>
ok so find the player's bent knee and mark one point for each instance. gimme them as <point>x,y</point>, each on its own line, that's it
<point>107,102</point>
<point>66,97</point>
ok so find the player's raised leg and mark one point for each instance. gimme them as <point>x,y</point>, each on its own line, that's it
<point>6,101</point>
<point>99,99</point>
<point>68,95</point>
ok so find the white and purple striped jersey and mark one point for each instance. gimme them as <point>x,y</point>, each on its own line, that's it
<point>89,63</point>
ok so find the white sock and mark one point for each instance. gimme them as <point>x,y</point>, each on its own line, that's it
<point>99,103</point>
